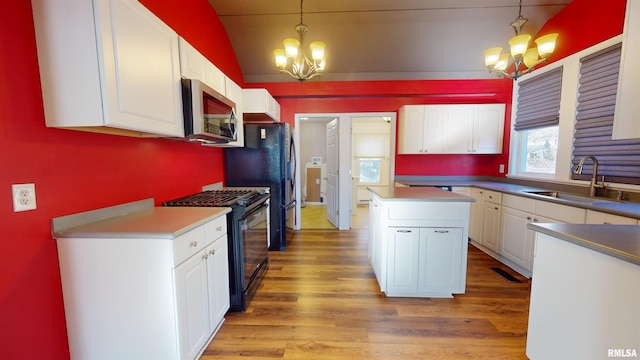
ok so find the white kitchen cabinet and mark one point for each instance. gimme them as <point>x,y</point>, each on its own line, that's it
<point>476,216</point>
<point>451,129</point>
<point>491,220</point>
<point>597,217</point>
<point>420,129</point>
<point>474,129</point>
<point>625,124</point>
<point>419,248</point>
<point>377,224</point>
<point>194,65</point>
<point>259,105</point>
<point>151,295</point>
<point>424,261</point>
<point>108,66</point>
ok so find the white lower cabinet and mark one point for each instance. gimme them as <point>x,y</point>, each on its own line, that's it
<point>145,297</point>
<point>475,216</point>
<point>424,261</point>
<point>419,248</point>
<point>492,201</point>
<point>202,284</point>
<point>597,217</point>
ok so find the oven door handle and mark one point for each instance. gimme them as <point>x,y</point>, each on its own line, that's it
<point>255,210</point>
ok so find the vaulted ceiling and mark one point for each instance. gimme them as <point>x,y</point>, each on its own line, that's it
<point>380,39</point>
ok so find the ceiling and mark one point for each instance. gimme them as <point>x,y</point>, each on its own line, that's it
<point>380,39</point>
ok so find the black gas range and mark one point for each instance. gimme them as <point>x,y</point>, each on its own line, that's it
<point>247,231</point>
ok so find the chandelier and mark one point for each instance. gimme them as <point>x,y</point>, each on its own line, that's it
<point>292,59</point>
<point>521,60</point>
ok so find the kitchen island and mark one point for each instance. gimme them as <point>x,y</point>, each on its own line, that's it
<point>418,240</point>
<point>584,292</point>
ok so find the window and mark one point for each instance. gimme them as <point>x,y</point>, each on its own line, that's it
<point>541,147</point>
<point>370,170</point>
<point>537,119</point>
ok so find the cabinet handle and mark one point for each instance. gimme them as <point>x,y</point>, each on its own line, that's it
<point>404,231</point>
<point>212,252</point>
<point>194,244</point>
<point>219,228</point>
<point>205,256</point>
<point>529,218</point>
<point>606,223</point>
<point>441,231</point>
<point>535,220</point>
<point>496,208</point>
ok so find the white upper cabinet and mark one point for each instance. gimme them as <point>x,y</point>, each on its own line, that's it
<point>108,66</point>
<point>194,65</point>
<point>259,105</point>
<point>451,129</point>
<point>625,124</point>
<point>421,129</point>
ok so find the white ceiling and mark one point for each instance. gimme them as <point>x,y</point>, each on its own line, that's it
<point>380,39</point>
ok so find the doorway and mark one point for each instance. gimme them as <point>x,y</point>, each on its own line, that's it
<point>370,136</point>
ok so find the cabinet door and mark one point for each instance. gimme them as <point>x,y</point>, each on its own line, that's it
<point>488,128</point>
<point>476,215</point>
<point>141,69</point>
<point>491,226</point>
<point>402,262</point>
<point>193,304</point>
<point>376,247</point>
<point>440,263</point>
<point>432,129</point>
<point>458,129</point>
<point>411,129</point>
<point>218,276</point>
<point>517,240</point>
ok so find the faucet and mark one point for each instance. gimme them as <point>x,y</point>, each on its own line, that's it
<point>593,186</point>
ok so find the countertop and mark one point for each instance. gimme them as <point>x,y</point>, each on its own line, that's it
<point>135,220</point>
<point>622,208</point>
<point>619,241</point>
<point>423,194</point>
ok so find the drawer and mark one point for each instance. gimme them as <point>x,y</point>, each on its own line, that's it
<point>563,213</point>
<point>492,196</point>
<point>188,244</point>
<point>519,203</point>
<point>215,228</point>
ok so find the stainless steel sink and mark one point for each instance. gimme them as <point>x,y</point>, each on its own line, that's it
<point>568,197</point>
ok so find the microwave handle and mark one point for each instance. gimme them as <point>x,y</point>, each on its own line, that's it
<point>233,124</point>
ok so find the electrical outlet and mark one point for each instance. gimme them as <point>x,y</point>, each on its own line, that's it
<point>24,197</point>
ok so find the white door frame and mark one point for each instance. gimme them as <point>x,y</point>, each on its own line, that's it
<point>344,178</point>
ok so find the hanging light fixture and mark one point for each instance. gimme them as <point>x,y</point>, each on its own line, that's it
<point>521,60</point>
<point>292,59</point>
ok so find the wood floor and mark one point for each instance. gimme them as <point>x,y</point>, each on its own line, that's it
<point>320,300</point>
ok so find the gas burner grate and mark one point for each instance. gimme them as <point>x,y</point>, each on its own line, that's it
<point>212,198</point>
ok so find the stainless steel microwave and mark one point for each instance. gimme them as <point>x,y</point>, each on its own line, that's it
<point>209,117</point>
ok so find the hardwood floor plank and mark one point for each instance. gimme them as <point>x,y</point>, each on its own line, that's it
<point>320,300</point>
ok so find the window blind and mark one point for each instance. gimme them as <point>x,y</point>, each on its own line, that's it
<point>539,101</point>
<point>618,160</point>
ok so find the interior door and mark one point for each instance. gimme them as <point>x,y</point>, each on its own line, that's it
<point>332,172</point>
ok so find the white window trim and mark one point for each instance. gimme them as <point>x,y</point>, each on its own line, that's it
<point>568,102</point>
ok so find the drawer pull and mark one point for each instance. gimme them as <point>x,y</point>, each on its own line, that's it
<point>205,256</point>
<point>219,229</point>
<point>212,252</point>
<point>194,244</point>
<point>404,231</point>
<point>528,217</point>
<point>441,231</point>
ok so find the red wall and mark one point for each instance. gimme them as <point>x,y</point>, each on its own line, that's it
<point>76,171</point>
<point>389,96</point>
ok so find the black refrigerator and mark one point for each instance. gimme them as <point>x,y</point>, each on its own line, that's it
<point>268,158</point>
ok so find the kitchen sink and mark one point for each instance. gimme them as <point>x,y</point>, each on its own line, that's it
<point>569,197</point>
